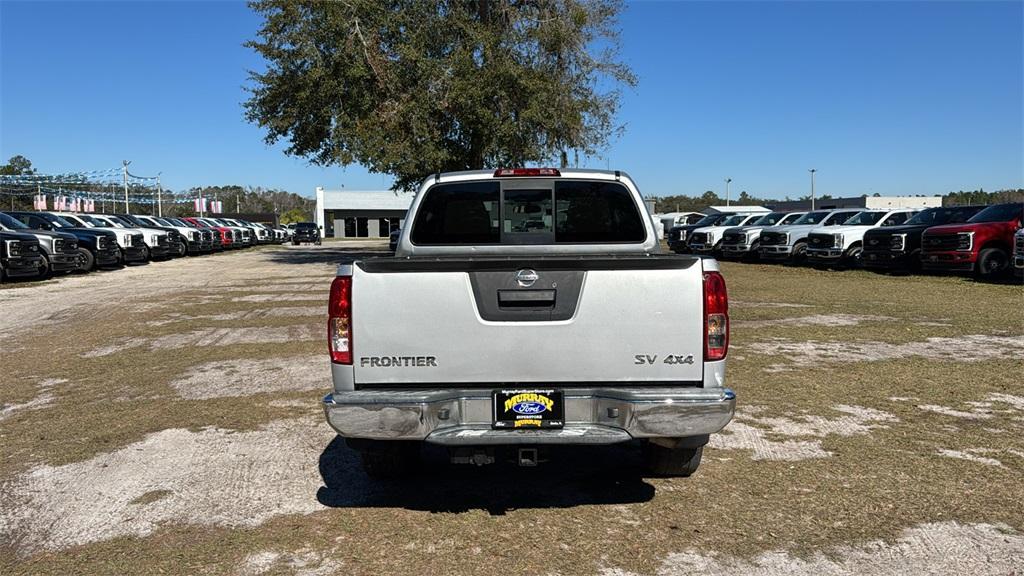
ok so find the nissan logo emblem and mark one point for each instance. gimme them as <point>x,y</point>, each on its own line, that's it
<point>526,277</point>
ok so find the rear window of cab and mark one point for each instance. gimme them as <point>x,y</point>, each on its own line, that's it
<point>537,212</point>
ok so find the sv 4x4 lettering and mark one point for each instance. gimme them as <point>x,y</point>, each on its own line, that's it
<point>669,359</point>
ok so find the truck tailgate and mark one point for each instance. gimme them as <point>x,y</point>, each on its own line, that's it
<point>558,320</point>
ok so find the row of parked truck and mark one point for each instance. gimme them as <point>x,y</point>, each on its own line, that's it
<point>984,240</point>
<point>40,244</point>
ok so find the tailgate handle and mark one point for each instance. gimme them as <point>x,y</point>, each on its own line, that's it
<point>526,298</point>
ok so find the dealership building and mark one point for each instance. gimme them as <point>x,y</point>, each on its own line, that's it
<point>360,213</point>
<point>865,202</point>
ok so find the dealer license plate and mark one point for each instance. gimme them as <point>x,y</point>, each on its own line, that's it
<point>528,409</point>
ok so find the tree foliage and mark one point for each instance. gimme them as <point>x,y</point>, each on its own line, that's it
<point>242,199</point>
<point>408,87</point>
<point>295,215</point>
<point>17,166</point>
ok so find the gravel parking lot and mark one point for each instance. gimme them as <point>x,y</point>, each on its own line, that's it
<point>166,419</point>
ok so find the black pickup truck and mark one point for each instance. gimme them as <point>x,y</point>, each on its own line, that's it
<point>306,232</point>
<point>96,248</point>
<point>58,250</point>
<point>20,256</point>
<point>899,247</point>
<point>678,236</point>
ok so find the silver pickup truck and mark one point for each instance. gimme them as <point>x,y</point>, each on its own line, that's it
<point>525,308</point>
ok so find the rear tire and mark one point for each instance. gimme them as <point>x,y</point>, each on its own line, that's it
<point>386,459</point>
<point>682,460</point>
<point>992,263</point>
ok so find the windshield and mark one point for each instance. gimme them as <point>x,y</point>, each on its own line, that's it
<point>952,215</point>
<point>709,220</point>
<point>865,219</point>
<point>770,219</point>
<point>10,223</point>
<point>734,220</point>
<point>95,221</point>
<point>305,225</point>
<point>57,221</point>
<point>838,218</point>
<point>999,213</point>
<point>811,218</point>
<point>115,221</point>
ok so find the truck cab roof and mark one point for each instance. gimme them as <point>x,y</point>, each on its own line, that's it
<point>529,211</point>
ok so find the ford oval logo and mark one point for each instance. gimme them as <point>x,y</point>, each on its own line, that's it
<point>528,407</point>
<point>526,277</point>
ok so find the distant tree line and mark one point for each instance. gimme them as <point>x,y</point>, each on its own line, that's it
<point>290,207</point>
<point>246,199</point>
<point>979,196</point>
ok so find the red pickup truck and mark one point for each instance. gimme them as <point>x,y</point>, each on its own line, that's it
<point>981,245</point>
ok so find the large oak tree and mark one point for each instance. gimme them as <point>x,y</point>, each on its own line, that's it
<point>409,88</point>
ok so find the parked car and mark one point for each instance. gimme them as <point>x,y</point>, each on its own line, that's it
<point>306,232</point>
<point>981,245</point>
<point>225,235</point>
<point>522,353</point>
<point>707,240</point>
<point>679,235</point>
<point>745,241</point>
<point>96,248</point>
<point>58,250</point>
<point>20,256</point>
<point>206,241</point>
<point>131,243</point>
<point>158,241</point>
<point>258,233</point>
<point>789,242</point>
<point>1018,254</point>
<point>899,247</point>
<point>842,245</point>
<point>182,240</point>
<point>672,219</point>
<point>242,235</point>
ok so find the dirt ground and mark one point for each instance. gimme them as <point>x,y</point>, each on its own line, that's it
<point>166,419</point>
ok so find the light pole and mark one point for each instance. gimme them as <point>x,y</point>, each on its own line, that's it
<point>159,197</point>
<point>812,171</point>
<point>125,169</point>
<point>727,181</point>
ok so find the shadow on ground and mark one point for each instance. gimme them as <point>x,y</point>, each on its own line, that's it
<point>574,476</point>
<point>325,254</point>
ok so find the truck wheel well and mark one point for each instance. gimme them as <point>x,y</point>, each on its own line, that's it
<point>995,244</point>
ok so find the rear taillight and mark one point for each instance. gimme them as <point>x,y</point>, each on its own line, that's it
<point>716,317</point>
<point>339,320</point>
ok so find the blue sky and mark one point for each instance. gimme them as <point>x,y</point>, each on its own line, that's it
<point>893,98</point>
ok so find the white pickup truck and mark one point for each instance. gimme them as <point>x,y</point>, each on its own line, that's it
<point>745,241</point>
<point>708,240</point>
<point>843,244</point>
<point>524,308</point>
<point>789,242</point>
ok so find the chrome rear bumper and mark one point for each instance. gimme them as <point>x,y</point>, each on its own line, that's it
<point>592,416</point>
